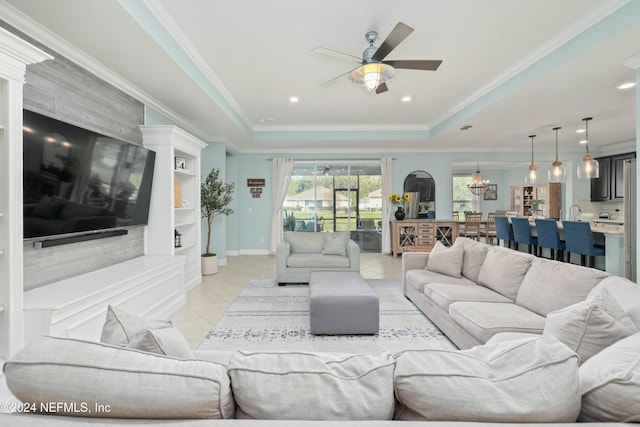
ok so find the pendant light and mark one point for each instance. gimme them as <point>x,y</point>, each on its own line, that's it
<point>532,175</point>
<point>477,185</point>
<point>589,168</point>
<point>557,172</point>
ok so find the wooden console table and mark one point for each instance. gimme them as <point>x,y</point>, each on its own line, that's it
<point>420,235</point>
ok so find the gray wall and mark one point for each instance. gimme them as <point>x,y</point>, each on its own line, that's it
<point>67,92</point>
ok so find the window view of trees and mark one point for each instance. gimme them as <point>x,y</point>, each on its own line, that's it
<point>333,197</point>
<point>461,195</point>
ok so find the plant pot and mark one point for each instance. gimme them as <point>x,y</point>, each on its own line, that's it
<point>400,213</point>
<point>209,265</point>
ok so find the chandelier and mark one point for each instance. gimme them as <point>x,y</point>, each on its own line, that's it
<point>477,186</point>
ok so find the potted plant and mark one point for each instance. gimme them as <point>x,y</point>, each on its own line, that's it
<point>215,197</point>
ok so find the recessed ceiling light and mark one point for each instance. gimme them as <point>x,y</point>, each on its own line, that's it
<point>627,85</point>
<point>266,119</point>
<point>294,99</point>
<point>584,141</point>
<point>580,131</point>
<point>406,98</point>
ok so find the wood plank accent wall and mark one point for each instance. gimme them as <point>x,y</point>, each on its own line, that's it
<point>67,92</point>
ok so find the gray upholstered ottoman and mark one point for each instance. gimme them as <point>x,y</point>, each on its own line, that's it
<point>342,303</point>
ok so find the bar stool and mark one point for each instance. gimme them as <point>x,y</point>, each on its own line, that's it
<point>504,231</point>
<point>549,237</point>
<point>579,239</point>
<point>522,234</point>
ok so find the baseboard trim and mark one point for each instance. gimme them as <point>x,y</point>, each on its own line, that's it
<point>253,252</point>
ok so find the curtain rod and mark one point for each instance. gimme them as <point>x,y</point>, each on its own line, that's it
<point>335,160</point>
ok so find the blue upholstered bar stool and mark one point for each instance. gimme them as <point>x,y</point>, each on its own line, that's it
<point>549,237</point>
<point>522,234</point>
<point>504,231</point>
<point>579,240</point>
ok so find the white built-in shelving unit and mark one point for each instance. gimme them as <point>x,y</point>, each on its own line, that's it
<point>169,211</point>
<point>15,55</point>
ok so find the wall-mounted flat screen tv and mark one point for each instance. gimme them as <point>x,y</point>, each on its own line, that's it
<point>76,180</point>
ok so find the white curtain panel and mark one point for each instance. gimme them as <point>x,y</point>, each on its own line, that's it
<point>386,164</point>
<point>281,169</point>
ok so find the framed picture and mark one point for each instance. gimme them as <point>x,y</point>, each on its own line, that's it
<point>181,163</point>
<point>491,192</point>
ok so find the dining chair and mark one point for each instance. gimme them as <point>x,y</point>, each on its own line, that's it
<point>549,237</point>
<point>472,222</point>
<point>455,216</point>
<point>490,228</point>
<point>579,240</point>
<point>522,234</point>
<point>504,231</point>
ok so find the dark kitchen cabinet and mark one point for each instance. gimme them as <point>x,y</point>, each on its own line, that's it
<point>601,187</point>
<point>610,184</point>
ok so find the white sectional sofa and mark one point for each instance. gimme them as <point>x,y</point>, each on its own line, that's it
<point>562,346</point>
<point>473,291</point>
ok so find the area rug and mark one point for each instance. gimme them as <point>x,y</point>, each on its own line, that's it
<point>268,317</point>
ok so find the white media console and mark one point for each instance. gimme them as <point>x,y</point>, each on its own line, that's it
<point>152,286</point>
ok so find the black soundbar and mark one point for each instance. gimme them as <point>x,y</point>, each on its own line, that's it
<point>79,238</point>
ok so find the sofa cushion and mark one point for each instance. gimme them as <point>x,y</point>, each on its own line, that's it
<point>610,383</point>
<point>485,319</point>
<point>523,381</point>
<point>588,327</point>
<point>474,255</point>
<point>312,386</point>
<point>552,285</point>
<point>445,260</point>
<point>304,242</point>
<point>503,271</point>
<point>316,260</point>
<point>167,341</point>
<point>626,293</point>
<point>418,278</point>
<point>120,326</point>
<point>443,294</point>
<point>335,243</point>
<point>133,383</point>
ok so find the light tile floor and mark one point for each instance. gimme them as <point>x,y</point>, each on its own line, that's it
<point>207,302</point>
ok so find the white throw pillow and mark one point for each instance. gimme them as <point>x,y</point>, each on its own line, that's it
<point>610,383</point>
<point>120,327</point>
<point>77,374</point>
<point>335,243</point>
<point>167,341</point>
<point>522,381</point>
<point>503,271</point>
<point>445,260</point>
<point>312,386</point>
<point>590,326</point>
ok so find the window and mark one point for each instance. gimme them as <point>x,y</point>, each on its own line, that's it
<point>461,195</point>
<point>333,197</point>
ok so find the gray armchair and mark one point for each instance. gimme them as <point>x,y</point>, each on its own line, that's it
<point>300,253</point>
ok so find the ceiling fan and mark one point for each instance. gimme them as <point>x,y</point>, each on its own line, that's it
<point>373,72</point>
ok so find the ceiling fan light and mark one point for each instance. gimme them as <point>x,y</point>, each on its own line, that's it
<point>372,75</point>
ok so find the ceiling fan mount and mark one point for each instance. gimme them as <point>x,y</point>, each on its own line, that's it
<point>373,72</point>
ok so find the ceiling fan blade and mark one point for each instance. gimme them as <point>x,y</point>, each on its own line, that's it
<point>418,64</point>
<point>382,87</point>
<point>397,35</point>
<point>333,80</point>
<point>336,54</point>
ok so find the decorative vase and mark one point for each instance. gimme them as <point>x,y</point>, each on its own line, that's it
<point>209,265</point>
<point>400,213</point>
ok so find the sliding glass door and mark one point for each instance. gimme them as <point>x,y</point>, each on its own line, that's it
<point>335,196</point>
